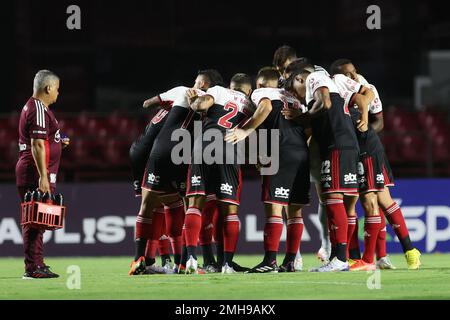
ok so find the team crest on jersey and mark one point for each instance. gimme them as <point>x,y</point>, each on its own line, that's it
<point>226,188</point>
<point>152,178</point>
<point>282,193</point>
<point>196,180</point>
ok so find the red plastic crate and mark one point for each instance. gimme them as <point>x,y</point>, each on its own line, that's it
<point>43,215</point>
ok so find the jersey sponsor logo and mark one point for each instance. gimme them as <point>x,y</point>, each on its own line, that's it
<point>350,178</point>
<point>380,178</point>
<point>52,177</point>
<point>152,178</point>
<point>282,193</point>
<point>226,188</point>
<point>39,132</point>
<point>196,180</point>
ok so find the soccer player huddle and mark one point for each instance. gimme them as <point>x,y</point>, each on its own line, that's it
<point>326,124</point>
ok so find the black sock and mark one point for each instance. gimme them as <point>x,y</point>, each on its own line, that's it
<point>220,254</point>
<point>270,256</point>
<point>228,258</point>
<point>208,255</point>
<point>191,251</point>
<point>177,258</point>
<point>140,245</point>
<point>164,258</point>
<point>354,254</point>
<point>341,251</point>
<point>184,256</point>
<point>406,244</point>
<point>289,257</point>
<point>149,261</point>
<point>333,253</point>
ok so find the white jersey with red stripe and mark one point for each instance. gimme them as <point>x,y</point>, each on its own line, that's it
<point>375,106</point>
<point>180,115</point>
<point>230,109</point>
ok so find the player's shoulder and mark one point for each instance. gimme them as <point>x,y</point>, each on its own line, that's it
<point>318,77</point>
<point>34,105</point>
<point>339,77</point>
<point>321,69</point>
<point>265,93</point>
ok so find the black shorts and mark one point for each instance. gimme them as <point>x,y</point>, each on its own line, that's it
<point>142,146</point>
<point>161,174</point>
<point>387,172</point>
<point>223,180</point>
<point>291,184</point>
<point>339,172</point>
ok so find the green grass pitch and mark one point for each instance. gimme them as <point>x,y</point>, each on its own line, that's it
<point>106,278</point>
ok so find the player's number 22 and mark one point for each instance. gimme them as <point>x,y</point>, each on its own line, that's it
<point>224,120</point>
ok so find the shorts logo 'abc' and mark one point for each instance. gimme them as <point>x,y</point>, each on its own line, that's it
<point>380,178</point>
<point>226,188</point>
<point>350,178</point>
<point>152,178</point>
<point>282,193</point>
<point>195,180</point>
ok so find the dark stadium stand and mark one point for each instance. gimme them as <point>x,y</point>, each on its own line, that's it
<point>417,144</point>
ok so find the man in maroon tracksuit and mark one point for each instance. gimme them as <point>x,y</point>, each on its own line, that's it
<point>37,167</point>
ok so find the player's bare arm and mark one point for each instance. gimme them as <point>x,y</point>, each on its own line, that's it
<point>199,104</point>
<point>363,106</point>
<point>322,102</point>
<point>376,121</point>
<point>38,151</point>
<point>261,113</point>
<point>152,102</point>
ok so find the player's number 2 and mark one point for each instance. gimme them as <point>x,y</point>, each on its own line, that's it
<point>224,121</point>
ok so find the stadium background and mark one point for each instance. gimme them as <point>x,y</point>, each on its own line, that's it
<point>132,50</point>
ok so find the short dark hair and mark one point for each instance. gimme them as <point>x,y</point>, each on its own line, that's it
<point>282,54</point>
<point>241,79</point>
<point>290,81</point>
<point>214,77</point>
<point>335,67</point>
<point>268,73</point>
<point>299,64</point>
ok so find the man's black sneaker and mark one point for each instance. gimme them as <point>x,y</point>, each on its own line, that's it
<point>239,268</point>
<point>287,267</point>
<point>265,267</point>
<point>46,268</point>
<point>40,273</point>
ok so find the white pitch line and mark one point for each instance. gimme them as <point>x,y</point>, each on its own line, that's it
<point>265,283</point>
